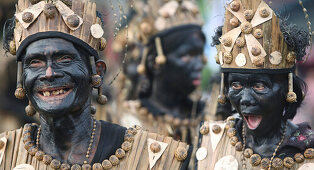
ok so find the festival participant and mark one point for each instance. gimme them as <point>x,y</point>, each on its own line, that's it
<point>56,44</point>
<point>172,64</point>
<point>257,53</point>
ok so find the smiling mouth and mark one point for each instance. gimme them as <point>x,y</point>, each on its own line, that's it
<point>54,93</point>
<point>253,121</point>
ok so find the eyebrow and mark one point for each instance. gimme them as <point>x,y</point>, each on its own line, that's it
<point>55,53</point>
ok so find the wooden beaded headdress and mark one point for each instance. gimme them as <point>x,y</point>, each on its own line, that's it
<point>155,16</point>
<point>76,21</point>
<point>252,42</point>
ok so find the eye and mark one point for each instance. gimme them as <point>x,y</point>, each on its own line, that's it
<point>64,59</point>
<point>35,63</point>
<point>236,86</point>
<point>259,86</point>
<point>186,58</point>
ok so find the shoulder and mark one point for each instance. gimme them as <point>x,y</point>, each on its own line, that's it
<point>158,151</point>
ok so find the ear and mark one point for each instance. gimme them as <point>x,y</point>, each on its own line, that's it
<point>101,68</point>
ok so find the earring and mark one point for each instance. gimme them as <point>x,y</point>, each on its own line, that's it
<point>92,110</point>
<point>30,110</point>
<point>95,79</point>
<point>161,58</point>
<point>101,99</point>
<point>19,92</point>
<point>222,98</point>
<point>291,96</point>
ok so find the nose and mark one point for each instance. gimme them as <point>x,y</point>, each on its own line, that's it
<point>198,64</point>
<point>247,99</point>
<point>50,75</point>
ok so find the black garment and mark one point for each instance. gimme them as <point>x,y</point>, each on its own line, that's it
<point>111,138</point>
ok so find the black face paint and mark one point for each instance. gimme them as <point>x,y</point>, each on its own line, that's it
<point>260,100</point>
<point>182,71</point>
<point>56,77</point>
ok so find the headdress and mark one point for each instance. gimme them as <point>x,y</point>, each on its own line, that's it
<point>253,42</point>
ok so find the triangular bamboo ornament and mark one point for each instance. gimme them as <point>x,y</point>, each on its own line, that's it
<point>34,9</point>
<point>153,157</point>
<point>2,150</point>
<point>251,41</point>
<point>239,14</point>
<point>215,137</point>
<point>257,19</point>
<point>233,34</point>
<point>65,12</point>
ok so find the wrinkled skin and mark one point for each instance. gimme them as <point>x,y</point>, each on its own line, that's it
<point>179,76</point>
<point>51,65</point>
<point>263,95</point>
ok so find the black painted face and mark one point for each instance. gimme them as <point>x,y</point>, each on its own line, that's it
<point>56,77</point>
<point>183,67</point>
<point>259,99</point>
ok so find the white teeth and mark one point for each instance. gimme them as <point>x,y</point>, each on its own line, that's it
<point>55,92</point>
<point>61,91</point>
<point>46,93</point>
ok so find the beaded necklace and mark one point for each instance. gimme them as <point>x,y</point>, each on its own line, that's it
<point>34,150</point>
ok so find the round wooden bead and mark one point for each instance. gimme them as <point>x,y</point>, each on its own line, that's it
<point>204,129</point>
<point>229,124</point>
<point>55,164</point>
<point>161,59</point>
<point>234,140</point>
<point>50,10</point>
<point>102,99</point>
<point>265,163</point>
<point>86,167</point>
<point>235,6</point>
<point>39,155</point>
<point>277,163</point>
<point>248,14</point>
<point>140,69</point>
<point>28,127</point>
<point>256,51</point>
<point>230,118</point>
<point>12,47</point>
<point>131,131</point>
<point>231,132</point>
<point>73,20</point>
<point>155,147</point>
<point>30,111</point>
<point>291,57</point>
<point>234,22</point>
<point>19,93</point>
<point>299,158</point>
<point>248,152</point>
<point>128,137</point>
<point>114,160</point>
<point>27,17</point>
<point>222,99</point>
<point>176,122</point>
<point>238,146</point>
<point>291,98</point>
<point>216,129</point>
<point>228,57</point>
<point>32,150</point>
<point>65,166</point>
<point>146,28</point>
<point>264,13</point>
<point>246,28</point>
<point>76,167</point>
<point>143,111</point>
<point>126,146</point>
<point>47,159</point>
<point>181,154</point>
<point>96,80</point>
<point>258,33</point>
<point>288,162</point>
<point>227,41</point>
<point>106,164</point>
<point>240,42</point>
<point>258,61</point>
<point>97,166</point>
<point>309,153</point>
<point>255,159</point>
<point>120,153</point>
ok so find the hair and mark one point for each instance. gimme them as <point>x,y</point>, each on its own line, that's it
<point>8,33</point>
<point>171,39</point>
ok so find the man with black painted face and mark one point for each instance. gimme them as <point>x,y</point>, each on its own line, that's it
<point>171,66</point>
<point>57,71</point>
<point>258,78</point>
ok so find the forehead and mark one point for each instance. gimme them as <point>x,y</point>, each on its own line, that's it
<point>50,45</point>
<point>249,76</point>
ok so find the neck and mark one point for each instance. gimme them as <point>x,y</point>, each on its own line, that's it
<point>68,135</point>
<point>266,143</point>
<point>168,100</point>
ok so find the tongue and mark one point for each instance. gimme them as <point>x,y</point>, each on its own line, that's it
<point>253,121</point>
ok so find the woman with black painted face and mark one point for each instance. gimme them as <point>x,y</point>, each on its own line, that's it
<point>56,44</point>
<point>171,66</point>
<point>259,80</point>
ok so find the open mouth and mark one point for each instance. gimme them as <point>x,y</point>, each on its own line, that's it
<point>253,121</point>
<point>54,93</point>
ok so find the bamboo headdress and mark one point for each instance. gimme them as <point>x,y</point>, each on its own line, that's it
<point>252,42</point>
